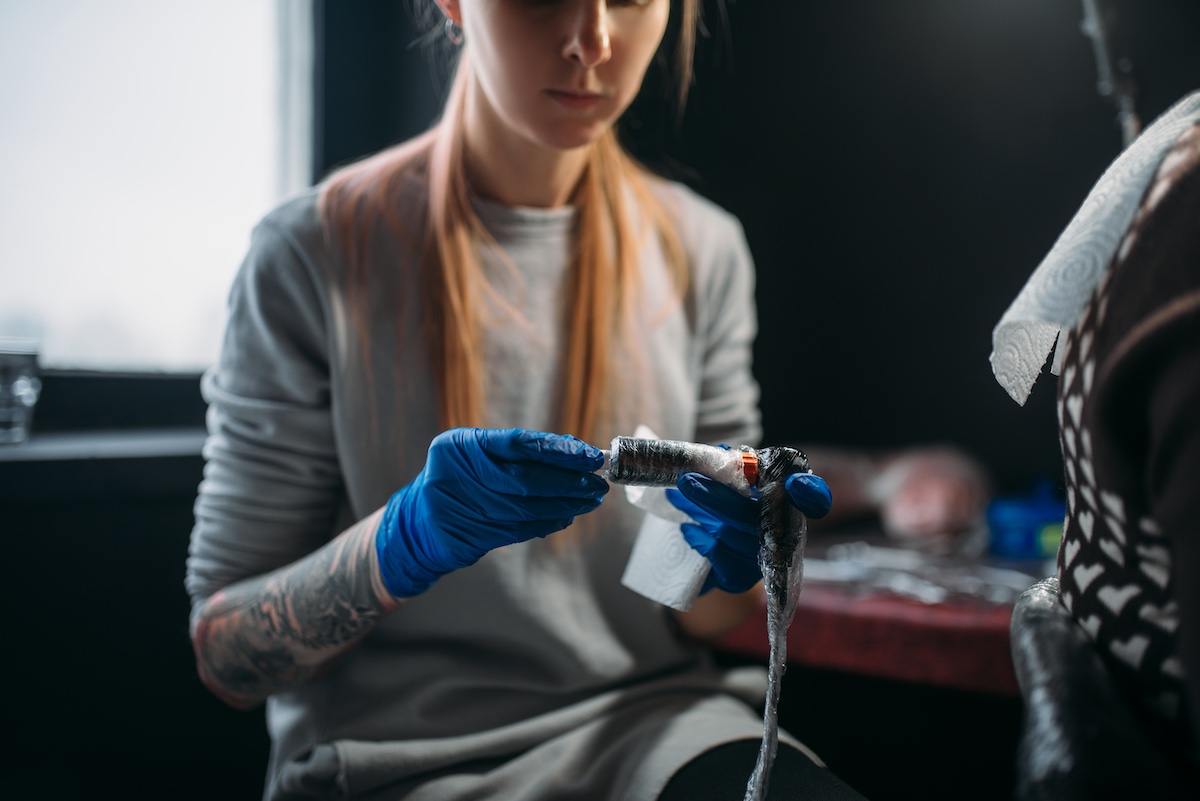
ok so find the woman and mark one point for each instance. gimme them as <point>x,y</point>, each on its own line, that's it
<point>510,272</point>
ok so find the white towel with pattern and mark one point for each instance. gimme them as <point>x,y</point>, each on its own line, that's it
<point>1055,294</point>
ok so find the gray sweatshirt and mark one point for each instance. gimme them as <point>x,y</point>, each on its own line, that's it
<point>533,673</point>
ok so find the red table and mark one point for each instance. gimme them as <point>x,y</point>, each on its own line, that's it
<point>960,642</point>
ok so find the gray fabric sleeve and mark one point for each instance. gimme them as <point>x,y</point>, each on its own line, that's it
<point>271,482</point>
<point>728,411</point>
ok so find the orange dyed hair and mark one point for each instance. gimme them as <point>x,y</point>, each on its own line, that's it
<point>604,277</point>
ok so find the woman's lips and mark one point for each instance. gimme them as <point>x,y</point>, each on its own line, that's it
<point>576,101</point>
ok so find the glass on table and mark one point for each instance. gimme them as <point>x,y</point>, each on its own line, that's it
<point>20,385</point>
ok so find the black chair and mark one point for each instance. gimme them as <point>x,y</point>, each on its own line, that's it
<point>1079,739</point>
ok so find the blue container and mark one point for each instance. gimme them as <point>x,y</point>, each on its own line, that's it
<point>1028,527</point>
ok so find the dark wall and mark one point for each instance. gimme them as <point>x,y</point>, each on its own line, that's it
<point>376,84</point>
<point>101,693</point>
<point>899,167</point>
<point>101,686</point>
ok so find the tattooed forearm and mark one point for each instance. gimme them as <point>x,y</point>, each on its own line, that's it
<point>279,630</point>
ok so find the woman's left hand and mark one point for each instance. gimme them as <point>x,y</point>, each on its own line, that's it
<point>726,527</point>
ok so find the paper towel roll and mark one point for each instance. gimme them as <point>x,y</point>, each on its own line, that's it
<point>662,566</point>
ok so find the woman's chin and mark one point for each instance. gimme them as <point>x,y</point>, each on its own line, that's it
<point>573,135</point>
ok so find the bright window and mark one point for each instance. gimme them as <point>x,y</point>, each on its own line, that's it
<point>142,140</point>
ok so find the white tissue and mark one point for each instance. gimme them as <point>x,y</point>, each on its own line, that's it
<point>1058,290</point>
<point>662,566</point>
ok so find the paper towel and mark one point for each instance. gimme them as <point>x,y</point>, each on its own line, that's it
<point>662,566</point>
<point>1055,295</point>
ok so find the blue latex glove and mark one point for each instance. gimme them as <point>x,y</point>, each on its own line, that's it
<point>726,527</point>
<point>481,489</point>
<point>810,493</point>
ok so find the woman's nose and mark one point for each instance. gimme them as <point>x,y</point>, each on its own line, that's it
<point>588,43</point>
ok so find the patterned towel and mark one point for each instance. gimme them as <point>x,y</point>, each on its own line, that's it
<point>1054,297</point>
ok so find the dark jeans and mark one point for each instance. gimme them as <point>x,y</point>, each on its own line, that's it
<point>721,775</point>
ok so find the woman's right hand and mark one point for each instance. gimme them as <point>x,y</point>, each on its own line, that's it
<point>482,489</point>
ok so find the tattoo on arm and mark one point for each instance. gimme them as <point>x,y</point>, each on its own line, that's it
<point>279,630</point>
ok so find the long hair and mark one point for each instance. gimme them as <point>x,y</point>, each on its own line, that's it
<point>614,191</point>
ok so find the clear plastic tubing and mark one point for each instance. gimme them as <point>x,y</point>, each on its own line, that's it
<point>661,462</point>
